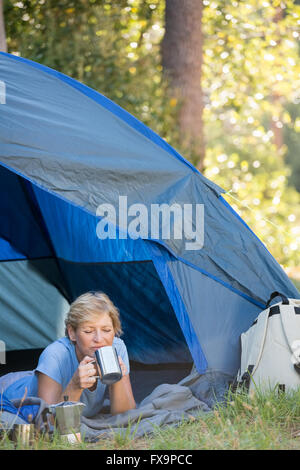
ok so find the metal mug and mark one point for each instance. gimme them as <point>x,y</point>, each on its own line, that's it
<point>23,434</point>
<point>108,361</point>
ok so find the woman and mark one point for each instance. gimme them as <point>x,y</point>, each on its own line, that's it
<point>67,367</point>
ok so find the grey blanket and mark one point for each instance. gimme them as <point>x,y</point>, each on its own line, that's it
<point>166,405</point>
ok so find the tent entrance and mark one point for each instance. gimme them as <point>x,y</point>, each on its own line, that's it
<point>157,348</point>
<point>150,327</point>
<point>35,226</point>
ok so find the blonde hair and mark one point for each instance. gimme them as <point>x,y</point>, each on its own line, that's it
<point>90,305</point>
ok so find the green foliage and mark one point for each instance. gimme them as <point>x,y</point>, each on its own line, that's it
<point>250,81</point>
<point>111,46</point>
<point>257,183</point>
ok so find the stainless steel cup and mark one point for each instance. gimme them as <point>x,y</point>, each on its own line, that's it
<point>108,361</point>
<point>23,434</point>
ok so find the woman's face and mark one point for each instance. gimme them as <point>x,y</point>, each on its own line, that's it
<point>92,335</point>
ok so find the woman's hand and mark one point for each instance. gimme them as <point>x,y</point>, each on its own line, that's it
<point>86,374</point>
<point>84,377</point>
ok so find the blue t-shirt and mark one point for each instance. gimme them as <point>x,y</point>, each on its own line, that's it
<point>59,361</point>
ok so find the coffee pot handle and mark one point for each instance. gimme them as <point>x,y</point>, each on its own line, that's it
<point>47,416</point>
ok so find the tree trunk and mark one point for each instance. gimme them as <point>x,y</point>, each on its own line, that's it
<point>3,47</point>
<point>182,62</point>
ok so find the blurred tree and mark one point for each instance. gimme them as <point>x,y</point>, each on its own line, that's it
<point>182,63</point>
<point>248,59</point>
<point>3,47</point>
<point>112,46</point>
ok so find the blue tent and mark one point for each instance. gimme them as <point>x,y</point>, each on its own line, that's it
<point>64,151</point>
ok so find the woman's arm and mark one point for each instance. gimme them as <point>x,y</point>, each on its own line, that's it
<point>52,392</point>
<point>121,396</point>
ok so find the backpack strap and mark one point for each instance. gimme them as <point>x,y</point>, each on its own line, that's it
<point>290,322</point>
<point>285,300</point>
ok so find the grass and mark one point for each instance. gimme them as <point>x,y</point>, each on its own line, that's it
<point>255,421</point>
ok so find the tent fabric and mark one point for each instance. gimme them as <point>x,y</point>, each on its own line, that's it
<point>32,309</point>
<point>218,318</point>
<point>64,150</point>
